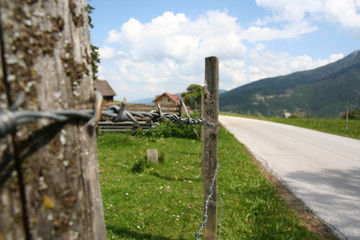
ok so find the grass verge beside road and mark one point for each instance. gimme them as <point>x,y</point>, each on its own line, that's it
<point>333,126</point>
<point>166,201</point>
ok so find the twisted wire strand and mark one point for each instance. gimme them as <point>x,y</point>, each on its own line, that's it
<point>207,202</point>
<point>10,119</point>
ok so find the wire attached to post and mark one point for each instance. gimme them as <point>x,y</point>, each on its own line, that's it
<point>97,110</point>
<point>9,119</point>
<point>207,201</point>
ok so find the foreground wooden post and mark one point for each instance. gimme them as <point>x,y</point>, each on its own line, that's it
<point>49,183</point>
<point>210,111</point>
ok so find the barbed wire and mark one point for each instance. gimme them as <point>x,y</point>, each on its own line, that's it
<point>207,202</point>
<point>10,119</point>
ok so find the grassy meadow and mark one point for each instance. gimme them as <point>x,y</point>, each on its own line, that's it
<point>165,202</point>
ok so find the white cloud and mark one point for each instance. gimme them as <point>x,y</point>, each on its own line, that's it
<point>177,37</point>
<point>167,54</point>
<point>269,64</point>
<point>344,12</point>
<point>113,36</point>
<point>107,52</point>
<point>357,4</point>
<point>335,57</point>
<point>289,31</point>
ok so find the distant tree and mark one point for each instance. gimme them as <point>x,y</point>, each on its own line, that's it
<point>95,60</point>
<point>192,96</point>
<point>90,9</point>
<point>353,114</point>
<point>95,57</point>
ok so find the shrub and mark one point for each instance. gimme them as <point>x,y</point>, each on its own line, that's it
<point>140,165</point>
<point>161,157</point>
<point>169,129</point>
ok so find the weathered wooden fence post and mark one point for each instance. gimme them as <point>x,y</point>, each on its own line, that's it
<point>210,112</point>
<point>49,183</point>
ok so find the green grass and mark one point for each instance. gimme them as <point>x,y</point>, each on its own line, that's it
<point>166,201</point>
<point>333,126</point>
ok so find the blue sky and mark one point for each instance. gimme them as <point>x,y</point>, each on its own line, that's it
<point>149,47</point>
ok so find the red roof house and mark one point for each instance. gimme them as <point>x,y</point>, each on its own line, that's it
<point>167,100</point>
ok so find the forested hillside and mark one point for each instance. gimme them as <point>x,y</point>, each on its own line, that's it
<point>322,92</point>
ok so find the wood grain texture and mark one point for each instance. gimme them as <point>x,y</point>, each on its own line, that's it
<point>11,215</point>
<point>47,57</point>
<point>210,112</point>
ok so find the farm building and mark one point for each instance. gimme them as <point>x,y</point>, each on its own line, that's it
<point>167,100</point>
<point>105,89</point>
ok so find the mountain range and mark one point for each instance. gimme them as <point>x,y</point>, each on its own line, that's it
<point>324,92</point>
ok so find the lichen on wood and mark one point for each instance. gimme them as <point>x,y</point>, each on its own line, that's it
<point>78,19</point>
<point>47,58</point>
<point>74,70</point>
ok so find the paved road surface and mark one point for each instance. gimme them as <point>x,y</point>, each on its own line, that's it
<point>323,170</point>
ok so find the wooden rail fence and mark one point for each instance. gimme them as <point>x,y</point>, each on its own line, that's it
<point>106,125</point>
<point>49,178</point>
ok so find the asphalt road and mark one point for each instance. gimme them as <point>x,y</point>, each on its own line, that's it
<point>321,169</point>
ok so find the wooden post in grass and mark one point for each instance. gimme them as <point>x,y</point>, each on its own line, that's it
<point>210,111</point>
<point>49,181</point>
<point>152,156</point>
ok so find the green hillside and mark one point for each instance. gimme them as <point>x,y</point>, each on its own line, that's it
<point>322,92</point>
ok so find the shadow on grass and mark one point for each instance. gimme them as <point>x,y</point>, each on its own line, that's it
<point>173,179</point>
<point>125,233</point>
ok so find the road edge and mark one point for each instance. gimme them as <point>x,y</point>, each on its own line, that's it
<point>306,216</point>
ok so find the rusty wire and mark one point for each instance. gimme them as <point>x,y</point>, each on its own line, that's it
<point>10,119</point>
